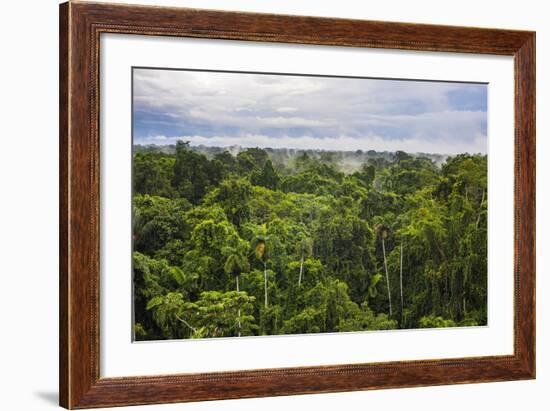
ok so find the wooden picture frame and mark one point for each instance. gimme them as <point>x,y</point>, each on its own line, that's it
<point>80,27</point>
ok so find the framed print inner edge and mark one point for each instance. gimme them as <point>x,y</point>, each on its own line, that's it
<point>121,358</point>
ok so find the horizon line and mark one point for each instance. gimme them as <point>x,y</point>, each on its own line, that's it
<point>305,149</point>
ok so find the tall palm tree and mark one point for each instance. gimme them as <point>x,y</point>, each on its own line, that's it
<point>235,264</point>
<point>259,245</point>
<point>304,248</point>
<point>401,277</point>
<point>383,233</point>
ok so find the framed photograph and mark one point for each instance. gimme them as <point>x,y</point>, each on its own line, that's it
<point>259,205</point>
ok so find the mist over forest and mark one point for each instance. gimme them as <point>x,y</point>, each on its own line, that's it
<point>346,161</point>
<point>233,241</point>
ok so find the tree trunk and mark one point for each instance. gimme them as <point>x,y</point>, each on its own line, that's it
<point>186,323</point>
<point>401,280</point>
<point>301,269</point>
<point>480,208</point>
<point>387,276</point>
<point>265,283</point>
<point>239,310</point>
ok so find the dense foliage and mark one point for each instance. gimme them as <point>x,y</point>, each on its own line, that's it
<point>263,242</point>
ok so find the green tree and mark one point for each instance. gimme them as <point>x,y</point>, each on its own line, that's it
<point>383,233</point>
<point>261,248</point>
<point>233,196</point>
<point>305,248</point>
<point>267,177</point>
<point>235,264</point>
<point>193,173</point>
<point>152,174</point>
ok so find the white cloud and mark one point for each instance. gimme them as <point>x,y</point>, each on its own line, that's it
<point>292,111</point>
<point>286,109</point>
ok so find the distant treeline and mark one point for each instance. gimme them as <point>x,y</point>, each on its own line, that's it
<point>347,161</point>
<point>236,242</point>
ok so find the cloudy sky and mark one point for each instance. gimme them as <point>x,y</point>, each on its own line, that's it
<point>224,109</point>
